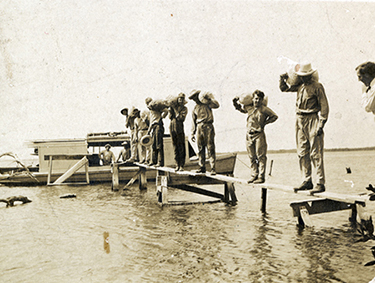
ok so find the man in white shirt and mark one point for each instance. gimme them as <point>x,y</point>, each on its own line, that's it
<point>366,75</point>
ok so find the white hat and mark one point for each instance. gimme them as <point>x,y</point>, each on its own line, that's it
<point>305,69</point>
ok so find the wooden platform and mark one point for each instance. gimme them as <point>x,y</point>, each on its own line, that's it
<point>318,203</point>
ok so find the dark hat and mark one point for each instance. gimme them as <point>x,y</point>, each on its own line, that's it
<point>124,111</point>
<point>134,112</point>
<point>181,95</point>
<point>194,94</point>
<point>148,100</point>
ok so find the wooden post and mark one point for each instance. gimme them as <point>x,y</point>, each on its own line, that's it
<point>264,200</point>
<point>161,187</point>
<point>226,193</point>
<point>87,173</point>
<point>50,170</point>
<point>353,215</point>
<point>164,189</point>
<point>229,192</point>
<point>142,178</point>
<point>304,219</point>
<point>271,168</point>
<point>115,177</point>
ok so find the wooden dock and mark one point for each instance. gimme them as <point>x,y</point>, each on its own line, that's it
<point>190,181</point>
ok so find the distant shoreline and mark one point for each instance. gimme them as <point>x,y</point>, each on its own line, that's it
<point>273,151</point>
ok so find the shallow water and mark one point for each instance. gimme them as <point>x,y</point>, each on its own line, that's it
<point>101,236</point>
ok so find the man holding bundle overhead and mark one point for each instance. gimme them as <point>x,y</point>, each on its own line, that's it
<point>259,115</point>
<point>158,111</point>
<point>177,114</point>
<point>203,126</point>
<point>312,114</point>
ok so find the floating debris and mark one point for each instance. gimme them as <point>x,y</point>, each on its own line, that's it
<point>11,200</point>
<point>69,196</point>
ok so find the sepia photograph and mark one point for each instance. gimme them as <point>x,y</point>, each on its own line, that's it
<point>187,141</point>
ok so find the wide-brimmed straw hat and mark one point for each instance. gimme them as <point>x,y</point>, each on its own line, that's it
<point>305,69</point>
<point>107,145</point>
<point>146,141</point>
<point>125,143</point>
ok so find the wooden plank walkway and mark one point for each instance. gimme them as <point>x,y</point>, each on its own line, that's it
<point>290,189</point>
<point>318,203</point>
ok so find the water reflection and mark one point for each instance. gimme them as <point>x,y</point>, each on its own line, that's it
<point>316,249</point>
<point>266,266</point>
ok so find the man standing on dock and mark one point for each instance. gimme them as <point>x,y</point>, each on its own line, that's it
<point>177,114</point>
<point>311,100</point>
<point>158,111</point>
<point>366,75</point>
<point>141,126</point>
<point>203,126</point>
<point>259,115</point>
<point>130,124</point>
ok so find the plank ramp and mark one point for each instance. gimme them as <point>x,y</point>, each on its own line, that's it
<point>277,187</point>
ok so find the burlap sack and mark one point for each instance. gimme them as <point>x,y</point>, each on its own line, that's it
<point>247,99</point>
<point>159,104</point>
<point>204,95</point>
<point>292,68</point>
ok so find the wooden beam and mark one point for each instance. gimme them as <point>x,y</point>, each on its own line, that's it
<point>132,180</point>
<point>315,206</point>
<point>71,171</point>
<point>198,190</point>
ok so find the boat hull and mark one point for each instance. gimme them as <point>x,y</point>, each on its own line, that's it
<point>225,164</point>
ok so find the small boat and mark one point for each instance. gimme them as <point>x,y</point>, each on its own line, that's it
<point>67,152</point>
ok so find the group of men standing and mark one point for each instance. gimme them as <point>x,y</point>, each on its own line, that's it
<point>312,111</point>
<point>151,126</point>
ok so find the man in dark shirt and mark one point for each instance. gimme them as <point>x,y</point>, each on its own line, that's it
<point>177,114</point>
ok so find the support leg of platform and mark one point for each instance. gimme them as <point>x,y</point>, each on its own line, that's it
<point>264,200</point>
<point>353,215</point>
<point>115,177</point>
<point>304,219</point>
<point>49,170</point>
<point>142,178</point>
<point>229,193</point>
<point>161,187</point>
<point>87,173</point>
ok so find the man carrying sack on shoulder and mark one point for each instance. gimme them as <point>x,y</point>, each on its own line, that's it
<point>203,126</point>
<point>311,115</point>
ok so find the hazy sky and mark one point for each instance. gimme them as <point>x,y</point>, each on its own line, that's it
<point>68,67</point>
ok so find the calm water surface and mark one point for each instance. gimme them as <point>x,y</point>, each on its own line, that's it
<point>101,236</point>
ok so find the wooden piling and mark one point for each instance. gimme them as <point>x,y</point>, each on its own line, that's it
<point>353,215</point>
<point>115,177</point>
<point>142,178</point>
<point>264,200</point>
<point>271,168</point>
